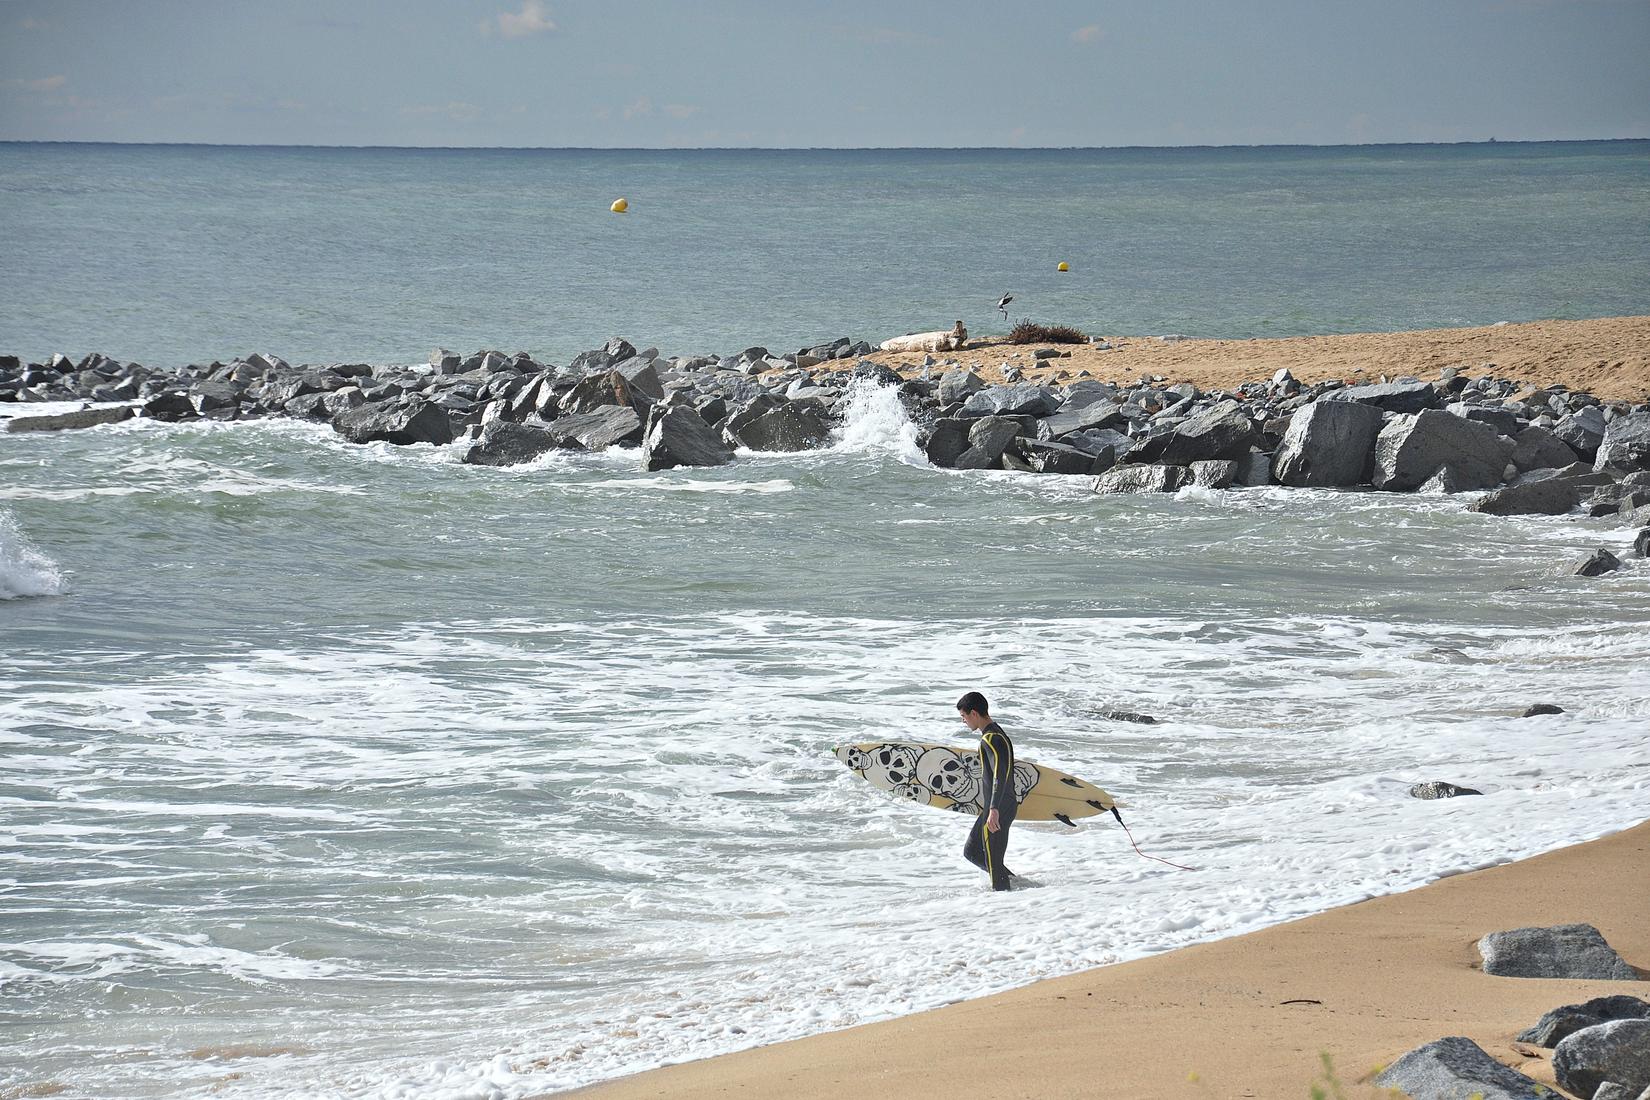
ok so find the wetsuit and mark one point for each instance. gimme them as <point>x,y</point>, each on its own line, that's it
<point>986,849</point>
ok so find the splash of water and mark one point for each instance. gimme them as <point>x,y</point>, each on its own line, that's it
<point>876,421</point>
<point>25,571</point>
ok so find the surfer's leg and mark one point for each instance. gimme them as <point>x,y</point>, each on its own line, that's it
<point>996,850</point>
<point>974,849</point>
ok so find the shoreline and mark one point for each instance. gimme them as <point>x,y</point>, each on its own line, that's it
<point>1245,1016</point>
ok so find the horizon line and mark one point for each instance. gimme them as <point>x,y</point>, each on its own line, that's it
<point>819,148</point>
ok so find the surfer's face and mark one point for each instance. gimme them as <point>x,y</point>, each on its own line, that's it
<point>972,719</point>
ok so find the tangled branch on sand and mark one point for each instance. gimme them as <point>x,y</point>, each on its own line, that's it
<point>1028,333</point>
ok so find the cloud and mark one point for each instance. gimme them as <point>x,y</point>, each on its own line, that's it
<point>43,84</point>
<point>639,109</point>
<point>530,20</point>
<point>681,110</point>
<point>1088,35</point>
<point>36,25</point>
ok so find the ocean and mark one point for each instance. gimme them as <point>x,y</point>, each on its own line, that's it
<point>176,254</point>
<point>338,771</point>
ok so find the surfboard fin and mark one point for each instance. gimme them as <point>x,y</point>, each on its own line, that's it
<point>1064,820</point>
<point>1069,781</point>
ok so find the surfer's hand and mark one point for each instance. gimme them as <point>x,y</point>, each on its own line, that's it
<point>991,825</point>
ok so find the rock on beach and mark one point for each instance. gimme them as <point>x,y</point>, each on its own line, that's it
<point>1561,951</point>
<point>1457,1068</point>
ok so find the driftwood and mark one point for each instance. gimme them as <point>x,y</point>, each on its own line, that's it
<point>929,341</point>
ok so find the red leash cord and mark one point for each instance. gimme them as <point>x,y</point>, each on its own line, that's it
<point>1137,850</point>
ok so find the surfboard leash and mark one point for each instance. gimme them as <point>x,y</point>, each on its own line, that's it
<point>1143,855</point>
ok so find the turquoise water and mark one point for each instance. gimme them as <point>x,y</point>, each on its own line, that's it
<point>171,254</point>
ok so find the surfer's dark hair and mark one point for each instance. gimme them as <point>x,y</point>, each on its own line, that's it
<point>974,702</point>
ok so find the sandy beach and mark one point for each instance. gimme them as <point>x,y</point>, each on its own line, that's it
<point>1248,1016</point>
<point>1608,357</point>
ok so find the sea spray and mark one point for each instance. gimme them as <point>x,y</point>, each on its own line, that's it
<point>876,420</point>
<point>25,571</point>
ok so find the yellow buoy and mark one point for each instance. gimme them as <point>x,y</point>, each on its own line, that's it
<point>620,206</point>
<point>1064,266</point>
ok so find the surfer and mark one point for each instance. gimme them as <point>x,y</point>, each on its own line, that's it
<point>988,839</point>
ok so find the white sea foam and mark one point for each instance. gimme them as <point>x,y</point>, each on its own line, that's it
<point>691,485</point>
<point>875,421</point>
<point>640,871</point>
<point>24,570</point>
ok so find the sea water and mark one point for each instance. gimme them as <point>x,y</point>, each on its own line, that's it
<point>176,254</point>
<point>356,771</point>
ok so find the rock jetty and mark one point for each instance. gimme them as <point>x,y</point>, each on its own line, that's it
<point>1538,450</point>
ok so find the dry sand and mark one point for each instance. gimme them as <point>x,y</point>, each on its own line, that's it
<point>1241,1017</point>
<point>1608,357</point>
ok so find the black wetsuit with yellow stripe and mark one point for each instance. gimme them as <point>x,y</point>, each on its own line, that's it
<point>986,849</point>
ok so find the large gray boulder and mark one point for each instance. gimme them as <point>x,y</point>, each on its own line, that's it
<point>1537,448</point>
<point>680,437</point>
<point>1099,415</point>
<point>1457,1068</point>
<point>1222,431</point>
<point>1412,448</point>
<point>170,405</point>
<point>1100,442</point>
<point>1583,430</point>
<point>1047,457</point>
<point>946,441</point>
<point>81,418</point>
<point>1504,421</point>
<point>1213,473</point>
<point>988,438</point>
<point>1596,564</point>
<point>1328,443</point>
<point>505,444</point>
<point>788,427</point>
<point>600,428</point>
<point>207,396</point>
<point>1394,397</point>
<point>1137,477</point>
<point>1254,469</point>
<point>606,388</point>
<point>1626,443</point>
<point>1537,498</point>
<point>1025,400</point>
<point>1566,1020</point>
<point>1617,1051</point>
<point>401,423</point>
<point>958,385</point>
<point>642,379</point>
<point>1562,951</point>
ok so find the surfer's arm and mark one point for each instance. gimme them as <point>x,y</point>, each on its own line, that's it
<point>1000,759</point>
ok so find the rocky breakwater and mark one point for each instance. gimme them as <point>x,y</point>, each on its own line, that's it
<point>1537,450</point>
<point>503,409</point>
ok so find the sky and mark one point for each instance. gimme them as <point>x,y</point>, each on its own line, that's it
<point>844,73</point>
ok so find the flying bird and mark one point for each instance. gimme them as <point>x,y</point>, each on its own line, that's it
<point>1002,304</point>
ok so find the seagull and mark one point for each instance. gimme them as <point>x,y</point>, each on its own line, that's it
<point>1002,304</point>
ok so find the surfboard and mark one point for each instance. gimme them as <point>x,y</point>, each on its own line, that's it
<point>948,778</point>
